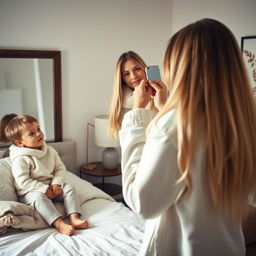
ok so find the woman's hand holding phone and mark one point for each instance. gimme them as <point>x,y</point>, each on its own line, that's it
<point>147,90</point>
<point>160,96</point>
<point>157,88</point>
<point>142,95</point>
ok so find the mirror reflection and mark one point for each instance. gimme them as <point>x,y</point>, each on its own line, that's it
<point>27,84</point>
<point>31,86</point>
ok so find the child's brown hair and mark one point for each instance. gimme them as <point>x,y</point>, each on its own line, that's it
<point>4,121</point>
<point>11,126</point>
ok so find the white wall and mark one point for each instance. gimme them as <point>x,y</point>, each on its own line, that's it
<point>18,74</point>
<point>91,35</point>
<point>238,15</point>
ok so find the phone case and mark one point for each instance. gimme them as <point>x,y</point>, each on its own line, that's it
<point>153,73</point>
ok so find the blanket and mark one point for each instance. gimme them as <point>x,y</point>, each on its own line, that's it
<point>18,215</point>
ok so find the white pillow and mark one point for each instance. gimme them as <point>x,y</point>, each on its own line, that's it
<point>7,188</point>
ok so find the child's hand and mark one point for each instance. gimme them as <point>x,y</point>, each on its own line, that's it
<point>49,192</point>
<point>57,190</point>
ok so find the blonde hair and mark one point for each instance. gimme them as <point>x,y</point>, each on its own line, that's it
<point>13,128</point>
<point>210,91</point>
<point>115,114</point>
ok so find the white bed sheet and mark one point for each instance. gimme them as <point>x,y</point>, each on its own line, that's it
<point>114,230</point>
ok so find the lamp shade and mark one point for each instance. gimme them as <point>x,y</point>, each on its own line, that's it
<point>102,139</point>
<point>109,155</point>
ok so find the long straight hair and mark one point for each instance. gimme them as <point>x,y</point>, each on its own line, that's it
<point>115,114</point>
<point>210,91</point>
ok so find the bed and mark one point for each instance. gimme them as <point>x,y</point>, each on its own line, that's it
<point>114,228</point>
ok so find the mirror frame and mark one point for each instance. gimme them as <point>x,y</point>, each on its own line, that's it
<point>57,100</point>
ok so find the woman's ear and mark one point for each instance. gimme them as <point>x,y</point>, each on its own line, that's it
<point>18,143</point>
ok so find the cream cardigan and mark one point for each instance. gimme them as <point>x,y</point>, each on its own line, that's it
<point>188,226</point>
<point>35,170</point>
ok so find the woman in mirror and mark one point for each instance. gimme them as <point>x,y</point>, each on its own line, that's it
<point>129,73</point>
<point>192,169</point>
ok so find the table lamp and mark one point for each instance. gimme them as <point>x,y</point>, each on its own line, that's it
<point>110,155</point>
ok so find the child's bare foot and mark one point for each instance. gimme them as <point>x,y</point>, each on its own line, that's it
<point>77,223</point>
<point>63,227</point>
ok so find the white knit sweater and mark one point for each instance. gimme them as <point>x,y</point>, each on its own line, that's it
<point>186,227</point>
<point>35,170</point>
<point>127,103</point>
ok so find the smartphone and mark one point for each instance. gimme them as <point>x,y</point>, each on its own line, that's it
<point>153,73</point>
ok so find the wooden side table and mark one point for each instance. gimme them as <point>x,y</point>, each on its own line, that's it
<point>99,171</point>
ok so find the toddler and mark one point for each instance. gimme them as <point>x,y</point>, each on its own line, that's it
<point>39,173</point>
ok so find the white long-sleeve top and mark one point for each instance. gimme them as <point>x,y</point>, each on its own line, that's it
<point>184,227</point>
<point>36,169</point>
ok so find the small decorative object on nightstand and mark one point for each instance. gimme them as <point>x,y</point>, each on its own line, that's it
<point>98,170</point>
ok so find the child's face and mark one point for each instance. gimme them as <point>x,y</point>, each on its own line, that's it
<point>32,136</point>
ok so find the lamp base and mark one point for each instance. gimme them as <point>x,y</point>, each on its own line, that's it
<point>110,157</point>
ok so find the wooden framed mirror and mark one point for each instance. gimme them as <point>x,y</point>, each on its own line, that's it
<point>30,83</point>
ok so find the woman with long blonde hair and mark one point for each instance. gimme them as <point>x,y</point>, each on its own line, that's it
<point>129,73</point>
<point>191,173</point>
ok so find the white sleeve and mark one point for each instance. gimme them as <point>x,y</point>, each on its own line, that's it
<point>149,167</point>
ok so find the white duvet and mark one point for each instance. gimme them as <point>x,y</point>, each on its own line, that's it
<point>114,230</point>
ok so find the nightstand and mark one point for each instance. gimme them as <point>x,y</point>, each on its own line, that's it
<point>99,171</point>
